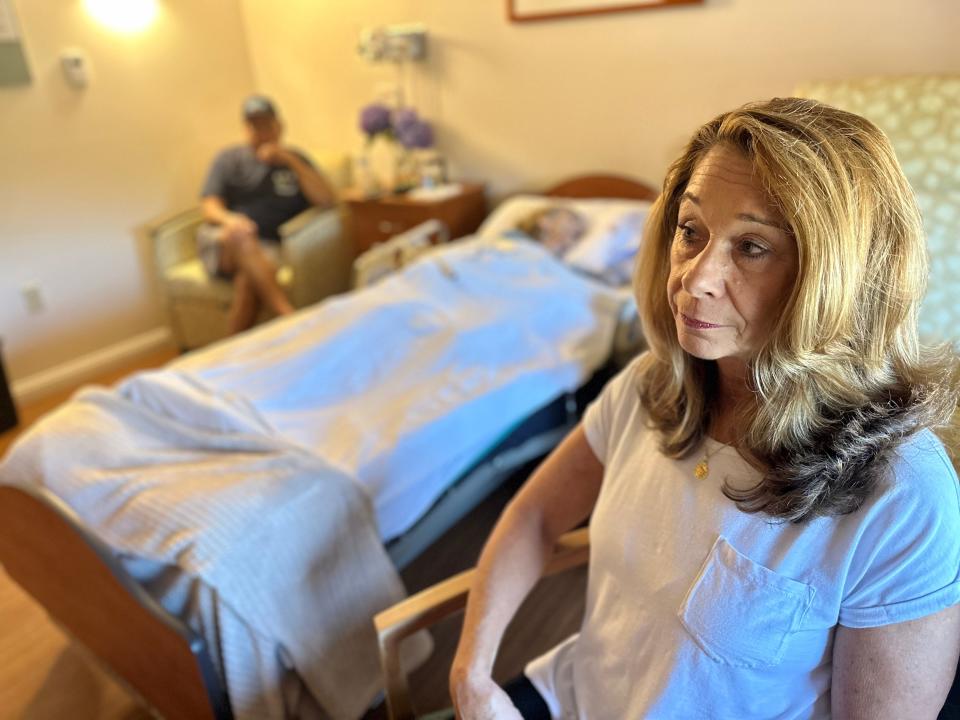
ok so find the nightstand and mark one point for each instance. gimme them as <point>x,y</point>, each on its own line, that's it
<point>377,219</point>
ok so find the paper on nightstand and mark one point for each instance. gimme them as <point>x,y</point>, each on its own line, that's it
<point>440,192</point>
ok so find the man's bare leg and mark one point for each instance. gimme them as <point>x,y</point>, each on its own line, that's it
<point>257,266</point>
<point>245,305</point>
<point>243,255</point>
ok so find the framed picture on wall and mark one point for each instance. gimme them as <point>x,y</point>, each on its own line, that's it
<point>532,10</point>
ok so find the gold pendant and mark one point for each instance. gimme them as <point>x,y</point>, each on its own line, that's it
<point>701,470</point>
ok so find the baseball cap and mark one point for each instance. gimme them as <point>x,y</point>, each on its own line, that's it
<point>258,105</point>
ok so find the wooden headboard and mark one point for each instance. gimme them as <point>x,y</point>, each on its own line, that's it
<point>603,186</point>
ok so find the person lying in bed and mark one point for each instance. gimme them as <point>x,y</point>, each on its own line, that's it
<point>774,527</point>
<point>556,227</point>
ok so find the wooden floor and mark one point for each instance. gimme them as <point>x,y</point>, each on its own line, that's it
<point>30,413</point>
<point>44,677</point>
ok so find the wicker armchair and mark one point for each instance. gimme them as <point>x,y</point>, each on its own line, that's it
<point>317,255</point>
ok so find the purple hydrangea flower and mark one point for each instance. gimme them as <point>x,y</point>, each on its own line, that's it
<point>375,118</point>
<point>405,119</point>
<point>417,135</point>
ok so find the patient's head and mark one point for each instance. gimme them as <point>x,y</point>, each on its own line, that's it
<point>557,228</point>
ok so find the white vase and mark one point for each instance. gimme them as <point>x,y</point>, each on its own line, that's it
<point>362,178</point>
<point>383,154</point>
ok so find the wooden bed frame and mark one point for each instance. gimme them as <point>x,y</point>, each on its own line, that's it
<point>48,551</point>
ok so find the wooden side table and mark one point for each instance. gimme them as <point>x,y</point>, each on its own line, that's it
<point>375,220</point>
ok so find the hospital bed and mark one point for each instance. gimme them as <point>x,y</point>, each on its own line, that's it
<point>88,585</point>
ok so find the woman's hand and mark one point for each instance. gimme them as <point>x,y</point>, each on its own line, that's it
<point>480,698</point>
<point>560,494</point>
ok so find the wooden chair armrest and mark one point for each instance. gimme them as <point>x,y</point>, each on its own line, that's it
<point>429,606</point>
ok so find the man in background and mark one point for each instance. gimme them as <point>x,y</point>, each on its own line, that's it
<point>250,191</point>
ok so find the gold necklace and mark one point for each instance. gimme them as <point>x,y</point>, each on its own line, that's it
<point>702,469</point>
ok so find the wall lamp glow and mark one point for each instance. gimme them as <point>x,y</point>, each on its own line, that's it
<point>122,15</point>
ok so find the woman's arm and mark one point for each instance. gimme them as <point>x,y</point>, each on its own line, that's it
<point>895,671</point>
<point>559,495</point>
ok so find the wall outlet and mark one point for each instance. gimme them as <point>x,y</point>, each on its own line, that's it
<point>76,67</point>
<point>33,298</point>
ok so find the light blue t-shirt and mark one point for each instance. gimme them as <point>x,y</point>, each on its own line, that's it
<point>696,609</point>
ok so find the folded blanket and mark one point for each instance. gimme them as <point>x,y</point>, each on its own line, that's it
<point>162,469</point>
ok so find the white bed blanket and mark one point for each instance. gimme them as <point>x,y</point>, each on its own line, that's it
<point>167,471</point>
<point>213,465</point>
<point>406,383</point>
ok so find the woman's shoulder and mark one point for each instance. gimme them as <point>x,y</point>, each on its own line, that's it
<point>617,411</point>
<point>623,388</point>
<point>922,476</point>
<point>635,367</point>
<point>907,553</point>
<point>923,455</point>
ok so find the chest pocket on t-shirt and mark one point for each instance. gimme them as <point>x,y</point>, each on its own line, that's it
<point>741,613</point>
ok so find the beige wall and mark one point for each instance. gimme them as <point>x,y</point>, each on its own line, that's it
<point>304,54</point>
<point>80,171</point>
<point>521,105</point>
<point>518,105</point>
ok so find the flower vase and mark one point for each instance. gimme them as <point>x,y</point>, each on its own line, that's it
<point>383,160</point>
<point>362,178</point>
<point>408,171</point>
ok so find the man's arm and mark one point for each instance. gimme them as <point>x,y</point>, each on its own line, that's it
<point>314,186</point>
<point>895,671</point>
<point>215,211</point>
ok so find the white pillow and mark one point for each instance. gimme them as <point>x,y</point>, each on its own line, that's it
<point>614,229</point>
<point>511,211</point>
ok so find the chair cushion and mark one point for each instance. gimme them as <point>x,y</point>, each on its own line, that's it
<point>189,279</point>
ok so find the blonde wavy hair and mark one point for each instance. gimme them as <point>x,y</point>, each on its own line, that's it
<point>842,380</point>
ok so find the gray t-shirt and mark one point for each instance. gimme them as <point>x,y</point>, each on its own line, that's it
<point>267,194</point>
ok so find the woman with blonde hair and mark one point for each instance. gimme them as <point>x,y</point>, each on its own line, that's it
<point>775,528</point>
